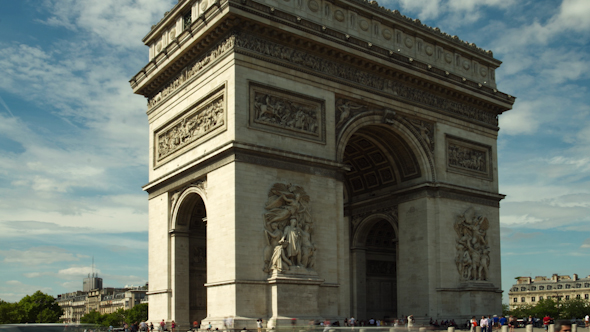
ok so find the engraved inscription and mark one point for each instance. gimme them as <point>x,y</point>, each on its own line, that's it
<point>286,112</point>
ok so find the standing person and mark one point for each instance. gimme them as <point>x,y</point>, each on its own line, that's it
<point>410,322</point>
<point>472,324</point>
<point>195,326</point>
<point>490,323</point>
<point>496,322</point>
<point>326,325</point>
<point>173,326</point>
<point>503,321</point>
<point>345,321</point>
<point>483,322</point>
<point>512,323</point>
<point>587,321</point>
<point>151,327</point>
<point>162,326</point>
<point>259,324</point>
<point>546,321</point>
<point>352,322</point>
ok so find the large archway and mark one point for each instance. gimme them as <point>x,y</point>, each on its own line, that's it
<point>382,161</point>
<point>189,239</point>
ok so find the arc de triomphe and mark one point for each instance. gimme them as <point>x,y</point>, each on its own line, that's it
<point>319,159</point>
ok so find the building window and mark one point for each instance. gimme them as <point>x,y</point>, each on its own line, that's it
<point>541,287</point>
<point>548,297</point>
<point>578,296</point>
<point>540,298</point>
<point>515,289</point>
<point>587,284</point>
<point>568,286</point>
<point>534,288</point>
<point>567,297</point>
<point>559,286</point>
<point>515,300</point>
<point>522,299</point>
<point>586,296</point>
<point>533,299</point>
<point>522,289</point>
<point>549,287</point>
<point>578,285</point>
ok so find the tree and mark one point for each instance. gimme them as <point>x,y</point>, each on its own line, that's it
<point>93,317</point>
<point>137,314</point>
<point>10,313</point>
<point>505,310</point>
<point>39,308</point>
<point>574,308</point>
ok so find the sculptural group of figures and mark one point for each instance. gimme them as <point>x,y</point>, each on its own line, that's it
<point>285,113</point>
<point>473,253</point>
<point>288,229</point>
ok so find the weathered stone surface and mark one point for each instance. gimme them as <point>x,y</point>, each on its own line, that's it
<point>318,160</point>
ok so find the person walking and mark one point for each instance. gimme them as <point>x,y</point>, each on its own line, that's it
<point>162,326</point>
<point>472,324</point>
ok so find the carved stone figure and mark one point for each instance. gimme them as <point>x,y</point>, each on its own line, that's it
<point>472,258</point>
<point>288,222</point>
<point>272,237</point>
<point>278,257</point>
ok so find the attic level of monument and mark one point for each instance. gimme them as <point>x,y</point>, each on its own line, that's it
<point>457,74</point>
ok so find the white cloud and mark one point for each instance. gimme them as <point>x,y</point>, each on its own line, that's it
<point>520,120</point>
<point>121,23</point>
<point>77,271</point>
<point>37,256</point>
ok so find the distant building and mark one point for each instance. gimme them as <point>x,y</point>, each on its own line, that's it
<point>104,300</point>
<point>92,282</point>
<point>529,290</point>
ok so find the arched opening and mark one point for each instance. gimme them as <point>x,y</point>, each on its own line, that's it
<point>189,232</point>
<point>381,271</point>
<point>198,262</point>
<point>381,163</point>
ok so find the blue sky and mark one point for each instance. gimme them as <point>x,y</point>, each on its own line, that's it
<point>73,137</point>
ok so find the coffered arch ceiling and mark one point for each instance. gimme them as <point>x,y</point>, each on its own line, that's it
<point>378,158</point>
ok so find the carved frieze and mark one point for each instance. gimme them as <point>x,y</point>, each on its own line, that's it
<point>198,121</point>
<point>468,157</point>
<point>287,113</point>
<point>288,231</point>
<point>366,79</point>
<point>472,257</point>
<point>193,70</point>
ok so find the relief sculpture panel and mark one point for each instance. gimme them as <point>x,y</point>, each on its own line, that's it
<point>202,118</point>
<point>288,231</point>
<point>473,252</point>
<point>468,158</point>
<point>287,113</point>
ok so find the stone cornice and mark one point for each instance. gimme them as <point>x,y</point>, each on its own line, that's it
<point>192,42</point>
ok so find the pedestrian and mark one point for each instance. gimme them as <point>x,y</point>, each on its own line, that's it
<point>472,324</point>
<point>162,326</point>
<point>259,324</point>
<point>173,326</point>
<point>151,327</point>
<point>410,322</point>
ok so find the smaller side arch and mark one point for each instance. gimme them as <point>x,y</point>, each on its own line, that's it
<point>360,235</point>
<point>182,203</point>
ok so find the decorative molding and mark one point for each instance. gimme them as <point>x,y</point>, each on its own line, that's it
<point>191,71</point>
<point>349,73</point>
<point>199,120</point>
<point>469,158</point>
<point>287,113</point>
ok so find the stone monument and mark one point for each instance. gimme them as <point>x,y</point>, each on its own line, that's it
<point>318,159</point>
